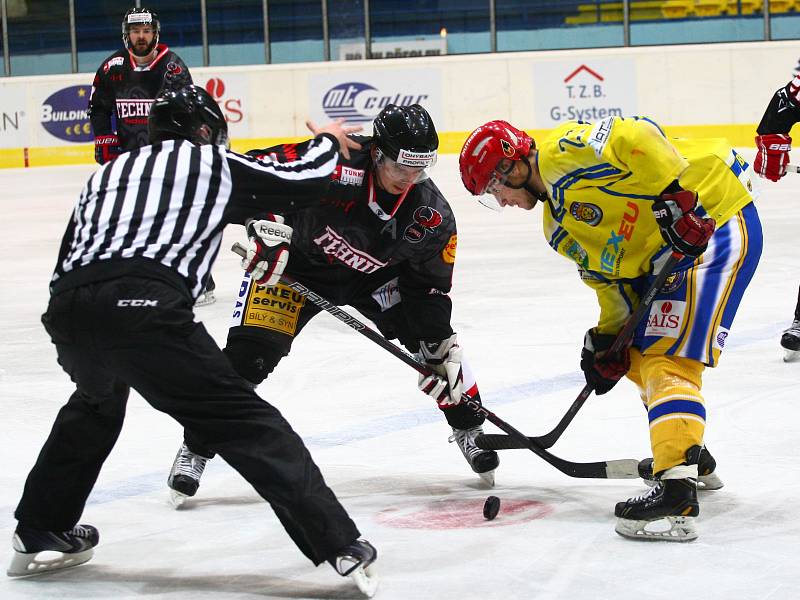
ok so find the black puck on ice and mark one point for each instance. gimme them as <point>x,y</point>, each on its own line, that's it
<point>491,507</point>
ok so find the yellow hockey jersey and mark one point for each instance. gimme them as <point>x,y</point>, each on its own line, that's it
<point>602,179</point>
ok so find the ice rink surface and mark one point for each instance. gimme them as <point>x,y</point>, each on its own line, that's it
<point>520,312</point>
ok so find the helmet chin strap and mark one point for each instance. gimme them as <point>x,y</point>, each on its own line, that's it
<point>539,196</point>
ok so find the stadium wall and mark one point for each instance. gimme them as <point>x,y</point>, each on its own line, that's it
<point>711,90</point>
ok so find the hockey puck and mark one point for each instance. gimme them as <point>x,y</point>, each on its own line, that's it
<point>491,507</point>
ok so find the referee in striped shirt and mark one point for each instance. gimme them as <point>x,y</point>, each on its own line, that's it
<point>136,253</point>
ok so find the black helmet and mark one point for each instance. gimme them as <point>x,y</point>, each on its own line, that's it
<point>189,114</point>
<point>406,134</point>
<point>140,16</point>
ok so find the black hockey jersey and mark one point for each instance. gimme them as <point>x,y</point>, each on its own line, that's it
<point>358,229</point>
<point>125,90</point>
<point>783,110</point>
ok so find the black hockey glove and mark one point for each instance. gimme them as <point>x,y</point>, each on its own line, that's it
<point>601,369</point>
<point>680,225</point>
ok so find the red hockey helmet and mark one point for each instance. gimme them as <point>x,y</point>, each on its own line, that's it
<point>485,148</point>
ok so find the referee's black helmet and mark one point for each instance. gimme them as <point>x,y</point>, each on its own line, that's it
<point>190,114</point>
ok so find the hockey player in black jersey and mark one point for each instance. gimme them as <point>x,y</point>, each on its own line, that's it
<point>383,240</point>
<point>128,81</point>
<point>773,144</point>
<point>124,88</point>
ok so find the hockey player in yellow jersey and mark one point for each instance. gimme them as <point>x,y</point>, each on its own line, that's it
<point>619,198</point>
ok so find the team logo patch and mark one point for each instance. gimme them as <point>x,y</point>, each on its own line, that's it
<point>673,282</point>
<point>174,68</point>
<point>425,219</point>
<point>507,149</point>
<point>585,212</point>
<point>428,217</point>
<point>665,318</point>
<point>449,252</point>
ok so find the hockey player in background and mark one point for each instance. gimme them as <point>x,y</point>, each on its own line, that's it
<point>618,198</point>
<point>124,88</point>
<point>382,239</point>
<point>120,316</point>
<point>773,144</point>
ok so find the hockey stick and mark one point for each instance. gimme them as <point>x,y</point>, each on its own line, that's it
<point>504,442</point>
<point>793,168</point>
<point>611,469</point>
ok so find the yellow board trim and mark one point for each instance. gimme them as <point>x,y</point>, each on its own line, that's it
<point>450,142</point>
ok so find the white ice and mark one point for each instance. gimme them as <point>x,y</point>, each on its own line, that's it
<point>520,312</point>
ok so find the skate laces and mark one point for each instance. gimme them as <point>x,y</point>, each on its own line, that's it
<point>465,438</point>
<point>653,491</point>
<point>190,464</point>
<point>81,532</point>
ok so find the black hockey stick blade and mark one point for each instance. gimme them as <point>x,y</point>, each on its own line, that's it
<point>625,468</point>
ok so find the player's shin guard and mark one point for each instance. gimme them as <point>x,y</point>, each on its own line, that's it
<point>675,407</point>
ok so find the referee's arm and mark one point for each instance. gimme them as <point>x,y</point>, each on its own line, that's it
<point>267,185</point>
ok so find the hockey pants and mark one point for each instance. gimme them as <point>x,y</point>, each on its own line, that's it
<point>107,347</point>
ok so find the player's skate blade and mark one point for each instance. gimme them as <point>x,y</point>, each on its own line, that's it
<point>790,355</point>
<point>667,529</point>
<point>38,551</point>
<point>366,578</point>
<point>790,342</point>
<point>357,561</point>
<point>176,499</point>
<point>487,477</point>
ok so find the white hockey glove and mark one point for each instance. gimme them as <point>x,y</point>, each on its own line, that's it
<point>446,383</point>
<point>268,250</point>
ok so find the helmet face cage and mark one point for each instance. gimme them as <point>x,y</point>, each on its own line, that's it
<point>140,16</point>
<point>191,114</point>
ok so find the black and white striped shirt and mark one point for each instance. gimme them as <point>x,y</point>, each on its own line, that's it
<point>164,207</point>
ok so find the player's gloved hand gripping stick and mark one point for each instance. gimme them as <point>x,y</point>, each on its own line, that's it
<point>611,469</point>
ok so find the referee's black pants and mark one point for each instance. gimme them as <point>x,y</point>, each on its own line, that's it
<point>139,332</point>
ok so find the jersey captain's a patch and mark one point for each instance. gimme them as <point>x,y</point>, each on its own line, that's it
<point>588,213</point>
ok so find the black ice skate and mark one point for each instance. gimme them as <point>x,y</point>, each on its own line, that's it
<point>482,462</point>
<point>666,512</point>
<point>790,341</point>
<point>75,548</point>
<point>707,478</point>
<point>207,296</point>
<point>184,477</point>
<point>356,560</point>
